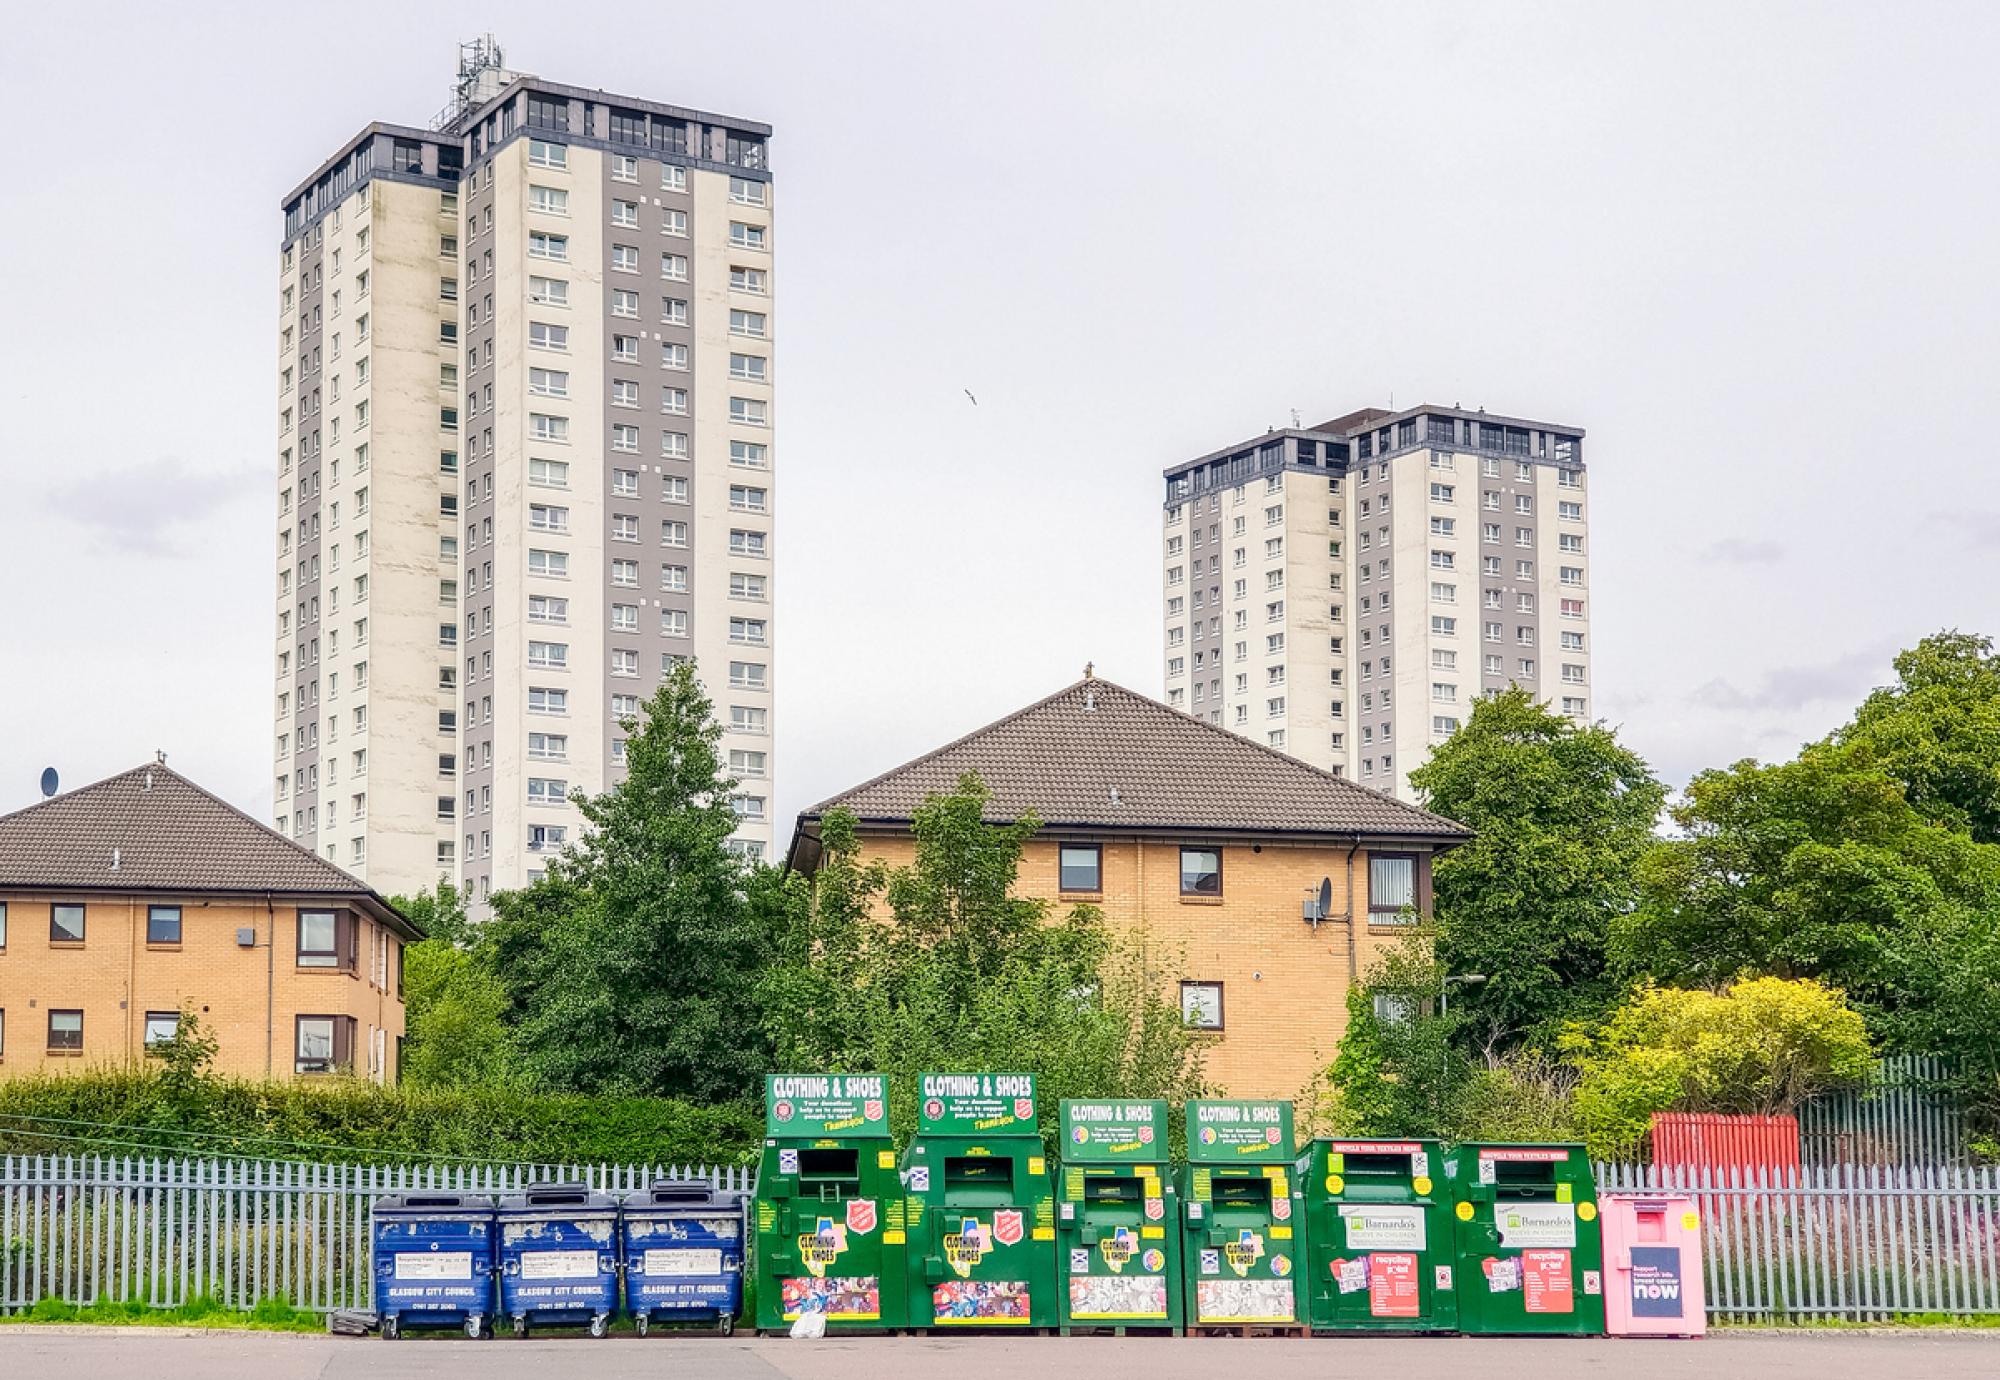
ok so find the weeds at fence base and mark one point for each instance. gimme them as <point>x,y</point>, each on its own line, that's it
<point>270,1315</point>
<point>1961,1322</point>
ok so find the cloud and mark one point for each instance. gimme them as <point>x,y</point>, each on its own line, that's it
<point>1844,680</point>
<point>1980,531</point>
<point>147,509</point>
<point>1739,551</point>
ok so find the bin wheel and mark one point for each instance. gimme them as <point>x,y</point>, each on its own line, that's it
<point>392,1328</point>
<point>474,1325</point>
<point>642,1322</point>
<point>600,1324</point>
<point>520,1326</point>
<point>728,1325</point>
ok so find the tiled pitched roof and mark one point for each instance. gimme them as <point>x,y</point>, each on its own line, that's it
<point>168,835</point>
<point>1098,755</point>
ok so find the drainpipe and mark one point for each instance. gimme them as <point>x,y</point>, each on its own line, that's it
<point>1353,964</point>
<point>270,983</point>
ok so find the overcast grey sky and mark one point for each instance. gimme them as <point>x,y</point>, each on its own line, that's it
<point>1750,247</point>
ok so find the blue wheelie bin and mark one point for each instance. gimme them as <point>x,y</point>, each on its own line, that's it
<point>559,1257</point>
<point>681,1242</point>
<point>433,1261</point>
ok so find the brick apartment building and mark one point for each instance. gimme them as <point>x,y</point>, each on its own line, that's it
<point>1211,846</point>
<point>124,902</point>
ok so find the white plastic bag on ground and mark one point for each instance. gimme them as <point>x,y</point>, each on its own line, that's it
<point>809,1325</point>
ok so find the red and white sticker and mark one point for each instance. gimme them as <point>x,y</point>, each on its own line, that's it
<point>1271,1135</point>
<point>1024,1108</point>
<point>861,1216</point>
<point>782,1111</point>
<point>1156,1208</point>
<point>1008,1226</point>
<point>872,1110</point>
<point>1145,1135</point>
<point>1281,1209</point>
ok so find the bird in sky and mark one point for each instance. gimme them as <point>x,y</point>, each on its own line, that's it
<point>975,401</point>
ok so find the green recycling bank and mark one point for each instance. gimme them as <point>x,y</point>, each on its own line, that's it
<point>979,1206</point>
<point>829,1209</point>
<point>1239,1254</point>
<point>1118,1229</point>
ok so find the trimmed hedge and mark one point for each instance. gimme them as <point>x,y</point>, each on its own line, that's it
<point>353,1120</point>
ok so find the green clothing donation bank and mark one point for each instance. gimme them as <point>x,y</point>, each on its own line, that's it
<point>1239,1253</point>
<point>979,1206</point>
<point>829,1217</point>
<point>1530,1248</point>
<point>1117,1219</point>
<point>1380,1244</point>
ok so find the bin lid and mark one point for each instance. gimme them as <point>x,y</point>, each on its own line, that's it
<point>807,1106</point>
<point>559,1199</point>
<point>418,1203</point>
<point>1113,1129</point>
<point>668,1194</point>
<point>977,1104</point>
<point>1239,1131</point>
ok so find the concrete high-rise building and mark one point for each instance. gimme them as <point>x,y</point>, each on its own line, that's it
<point>524,469</point>
<point>1343,592</point>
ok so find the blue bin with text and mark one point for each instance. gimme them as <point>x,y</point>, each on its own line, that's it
<point>433,1261</point>
<point>682,1247</point>
<point>559,1257</point>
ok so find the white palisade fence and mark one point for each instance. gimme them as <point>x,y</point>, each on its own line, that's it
<point>167,1231</point>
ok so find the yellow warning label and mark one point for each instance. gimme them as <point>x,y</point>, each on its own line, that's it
<point>1336,1163</point>
<point>1274,1171</point>
<point>885,1159</point>
<point>1045,1233</point>
<point>1152,1188</point>
<point>1145,1171</point>
<point>1564,1193</point>
<point>1465,1212</point>
<point>1152,1233</point>
<point>1281,1233</point>
<point>893,1238</point>
<point>1421,1185</point>
<point>1690,1221</point>
<point>1037,1166</point>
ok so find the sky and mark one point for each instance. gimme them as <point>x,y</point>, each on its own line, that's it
<point>1748,247</point>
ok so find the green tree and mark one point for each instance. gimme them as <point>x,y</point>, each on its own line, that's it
<point>1808,868</point>
<point>439,913</point>
<point>1936,731</point>
<point>186,1056</point>
<point>1761,1047</point>
<point>1561,815</point>
<point>454,1006</point>
<point>631,966</point>
<point>938,965</point>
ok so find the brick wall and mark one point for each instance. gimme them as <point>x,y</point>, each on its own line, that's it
<point>115,977</point>
<point>1284,982</point>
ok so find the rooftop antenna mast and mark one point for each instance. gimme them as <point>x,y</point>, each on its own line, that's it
<point>482,72</point>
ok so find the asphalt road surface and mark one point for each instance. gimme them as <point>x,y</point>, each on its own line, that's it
<point>155,1354</point>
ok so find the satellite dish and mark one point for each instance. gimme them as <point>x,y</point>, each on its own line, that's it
<point>48,780</point>
<point>1325,897</point>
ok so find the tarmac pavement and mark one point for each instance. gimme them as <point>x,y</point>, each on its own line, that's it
<point>72,1353</point>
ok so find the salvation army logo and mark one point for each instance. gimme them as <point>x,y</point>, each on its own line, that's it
<point>1145,1135</point>
<point>1270,1135</point>
<point>1024,1109</point>
<point>861,1216</point>
<point>872,1109</point>
<point>934,1109</point>
<point>1281,1209</point>
<point>1007,1226</point>
<point>1156,1208</point>
<point>1208,1135</point>
<point>783,1111</point>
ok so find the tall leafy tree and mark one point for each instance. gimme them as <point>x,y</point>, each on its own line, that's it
<point>1562,813</point>
<point>939,965</point>
<point>1936,731</point>
<point>631,965</point>
<point>454,1006</point>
